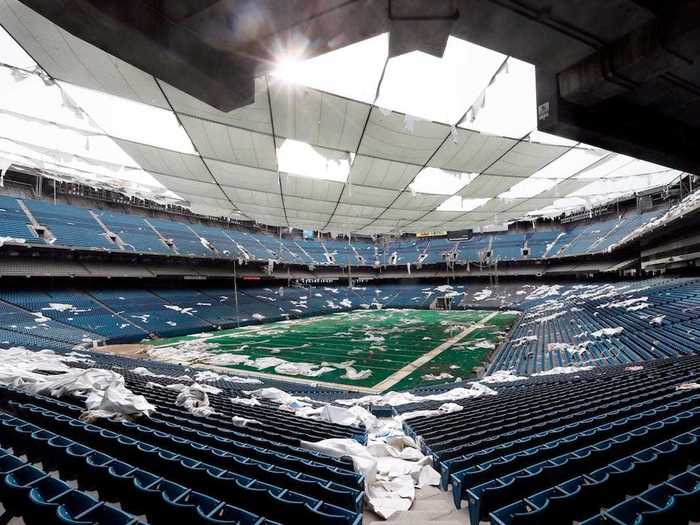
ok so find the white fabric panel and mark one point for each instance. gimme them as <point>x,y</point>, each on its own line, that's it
<point>385,225</point>
<point>387,137</point>
<point>381,173</point>
<point>215,207</point>
<point>270,220</point>
<point>312,205</point>
<point>368,196</point>
<point>355,210</point>
<point>488,186</point>
<point>190,189</point>
<point>419,201</point>
<point>439,217</point>
<point>254,117</point>
<point>396,214</point>
<point>66,57</point>
<point>526,158</point>
<point>220,142</point>
<point>317,218</point>
<point>165,161</point>
<point>237,176</point>
<point>496,206</point>
<point>248,200</point>
<point>426,226</point>
<point>325,190</point>
<point>317,118</point>
<point>342,223</point>
<point>548,197</point>
<point>471,152</point>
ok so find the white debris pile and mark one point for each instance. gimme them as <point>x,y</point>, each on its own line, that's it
<point>483,294</point>
<point>282,398</point>
<point>475,389</point>
<point>355,416</point>
<point>185,311</point>
<point>13,240</point>
<point>247,401</point>
<point>439,377</point>
<point>501,376</point>
<point>194,398</point>
<point>208,375</point>
<point>105,394</point>
<point>392,464</point>
<point>607,332</point>
<point>523,341</point>
<point>58,307</point>
<point>573,349</point>
<point>198,351</point>
<point>657,321</point>
<point>108,397</point>
<point>145,372</point>
<point>445,408</point>
<point>627,303</point>
<point>563,370</point>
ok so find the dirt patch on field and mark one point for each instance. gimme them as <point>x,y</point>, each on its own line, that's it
<point>130,350</point>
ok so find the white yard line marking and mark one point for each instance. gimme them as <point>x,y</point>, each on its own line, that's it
<point>429,356</point>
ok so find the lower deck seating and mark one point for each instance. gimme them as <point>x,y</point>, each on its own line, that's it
<point>613,447</point>
<point>173,466</point>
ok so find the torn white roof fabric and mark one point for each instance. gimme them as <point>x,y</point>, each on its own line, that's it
<point>334,143</point>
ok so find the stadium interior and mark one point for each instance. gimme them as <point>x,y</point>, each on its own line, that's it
<point>343,262</point>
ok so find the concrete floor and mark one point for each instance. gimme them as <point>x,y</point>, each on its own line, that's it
<point>432,506</point>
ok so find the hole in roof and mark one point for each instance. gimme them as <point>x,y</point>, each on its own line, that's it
<point>440,182</point>
<point>12,54</point>
<point>459,203</point>
<point>28,94</point>
<point>352,71</point>
<point>509,105</point>
<point>131,120</point>
<point>300,158</point>
<point>568,165</point>
<point>438,89</point>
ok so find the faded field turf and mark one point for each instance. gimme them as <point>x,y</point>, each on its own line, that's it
<point>375,343</point>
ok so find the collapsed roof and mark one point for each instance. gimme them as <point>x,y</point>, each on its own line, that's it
<point>310,151</point>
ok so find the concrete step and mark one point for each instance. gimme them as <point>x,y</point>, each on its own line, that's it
<point>431,507</point>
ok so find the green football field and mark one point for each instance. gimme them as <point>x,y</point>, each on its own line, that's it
<point>374,344</point>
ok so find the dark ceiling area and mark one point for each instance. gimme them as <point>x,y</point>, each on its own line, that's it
<point>619,74</point>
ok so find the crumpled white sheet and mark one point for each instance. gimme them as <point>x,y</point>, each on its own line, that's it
<point>607,332</point>
<point>502,376</point>
<point>248,401</point>
<point>393,467</point>
<point>445,408</point>
<point>116,402</point>
<point>106,394</point>
<point>240,421</point>
<point>350,417</point>
<point>285,400</point>
<point>563,370</point>
<point>194,398</point>
<point>439,377</point>
<point>392,398</point>
<point>208,375</point>
<point>145,372</point>
<point>15,240</point>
